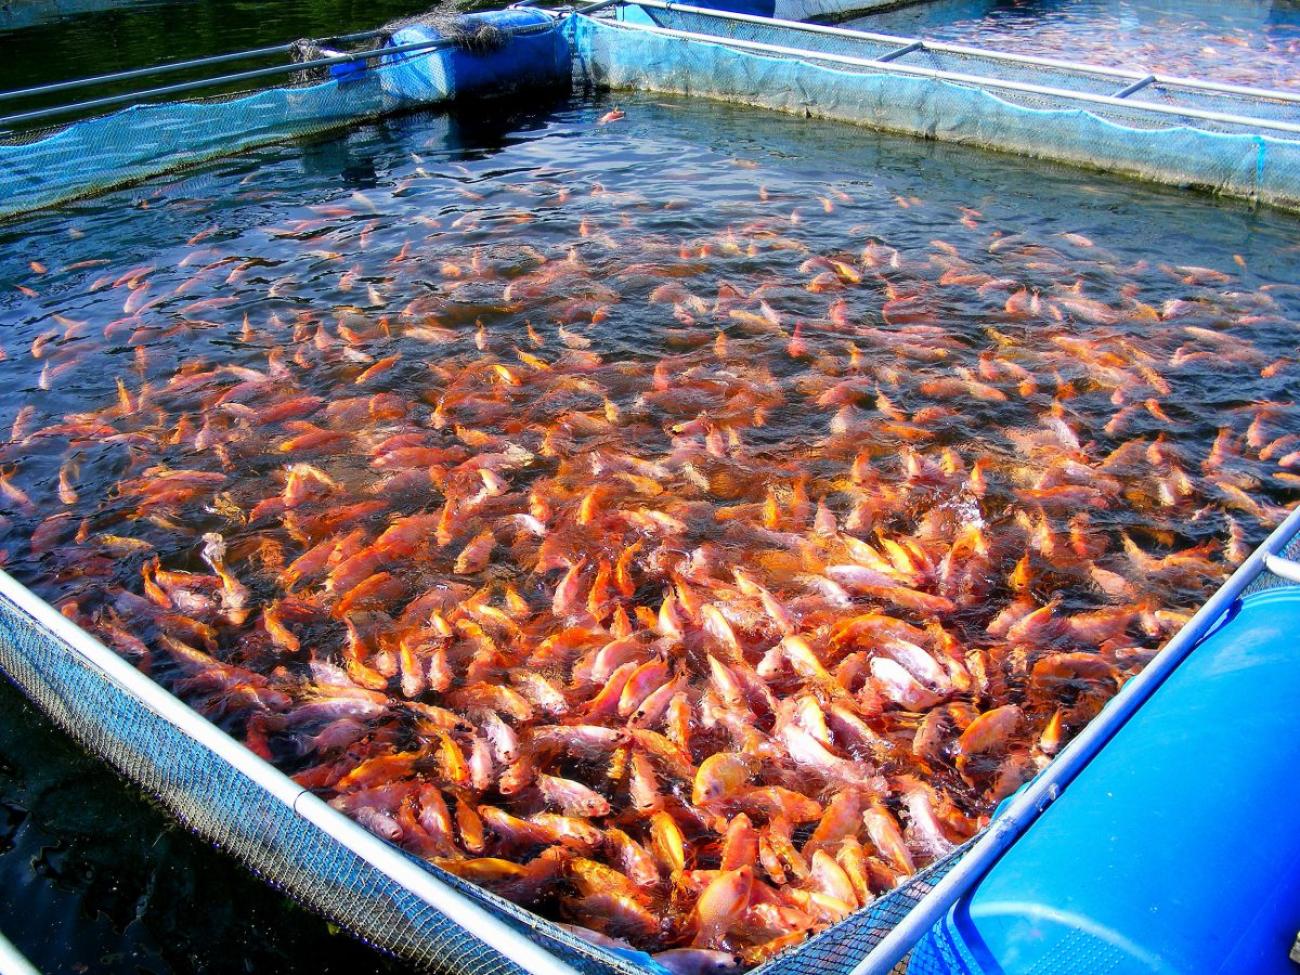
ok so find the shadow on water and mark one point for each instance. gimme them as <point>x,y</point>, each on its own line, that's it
<point>95,878</point>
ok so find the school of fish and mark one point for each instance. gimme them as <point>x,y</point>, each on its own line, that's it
<point>697,649</point>
<point>1256,45</point>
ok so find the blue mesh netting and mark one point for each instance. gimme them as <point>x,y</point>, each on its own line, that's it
<point>144,140</point>
<point>221,803</point>
<point>1220,156</point>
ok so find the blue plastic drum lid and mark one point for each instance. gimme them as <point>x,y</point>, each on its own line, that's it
<point>1177,849</point>
<point>539,57</point>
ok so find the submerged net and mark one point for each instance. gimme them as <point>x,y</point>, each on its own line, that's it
<point>221,802</point>
<point>144,140</point>
<point>93,155</point>
<point>1233,158</point>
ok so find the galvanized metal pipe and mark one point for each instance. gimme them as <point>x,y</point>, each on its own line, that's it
<point>968,79</point>
<point>591,8</point>
<point>1041,791</point>
<point>172,67</point>
<point>1094,69</point>
<point>1136,86</point>
<point>278,69</point>
<point>899,52</point>
<point>1283,568</point>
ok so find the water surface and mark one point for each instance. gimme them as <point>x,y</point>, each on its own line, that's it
<point>1099,350</point>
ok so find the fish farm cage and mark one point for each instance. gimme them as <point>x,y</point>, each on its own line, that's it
<point>296,842</point>
<point>1237,141</point>
<point>1228,139</point>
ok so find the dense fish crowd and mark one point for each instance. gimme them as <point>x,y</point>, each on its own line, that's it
<point>1256,45</point>
<point>692,588</point>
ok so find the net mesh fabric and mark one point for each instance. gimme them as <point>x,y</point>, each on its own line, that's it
<point>1181,150</point>
<point>99,153</point>
<point>40,169</point>
<point>218,801</point>
<point>469,33</point>
<point>1073,78</point>
<point>1269,580</point>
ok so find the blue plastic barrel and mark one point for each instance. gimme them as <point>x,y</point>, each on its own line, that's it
<point>537,58</point>
<point>1177,849</point>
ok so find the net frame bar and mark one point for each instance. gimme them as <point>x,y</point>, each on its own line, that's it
<point>437,44</point>
<point>172,66</point>
<point>470,916</point>
<point>979,81</point>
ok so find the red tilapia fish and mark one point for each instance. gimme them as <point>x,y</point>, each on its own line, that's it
<point>698,646</point>
<point>1230,47</point>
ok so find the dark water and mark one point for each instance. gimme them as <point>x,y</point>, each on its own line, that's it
<point>1248,43</point>
<point>1207,294</point>
<point>95,879</point>
<point>148,32</point>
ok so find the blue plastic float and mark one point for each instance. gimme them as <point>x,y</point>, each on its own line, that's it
<point>532,58</point>
<point>1175,849</point>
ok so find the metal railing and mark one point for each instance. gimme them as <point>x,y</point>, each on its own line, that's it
<point>1026,806</point>
<point>73,108</point>
<point>1129,75</point>
<point>173,66</point>
<point>885,65</point>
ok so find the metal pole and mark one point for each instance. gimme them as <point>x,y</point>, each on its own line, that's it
<point>591,8</point>
<point>1136,86</point>
<point>397,865</point>
<point>436,44</point>
<point>1025,807</point>
<point>899,52</point>
<point>1283,568</point>
<point>967,79</point>
<point>169,68</point>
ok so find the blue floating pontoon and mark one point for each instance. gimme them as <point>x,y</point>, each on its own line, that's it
<point>1174,851</point>
<point>536,56</point>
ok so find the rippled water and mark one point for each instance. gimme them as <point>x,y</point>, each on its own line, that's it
<point>953,307</point>
<point>1252,43</point>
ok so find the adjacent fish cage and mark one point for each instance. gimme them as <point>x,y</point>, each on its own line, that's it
<point>1227,139</point>
<point>1237,141</point>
